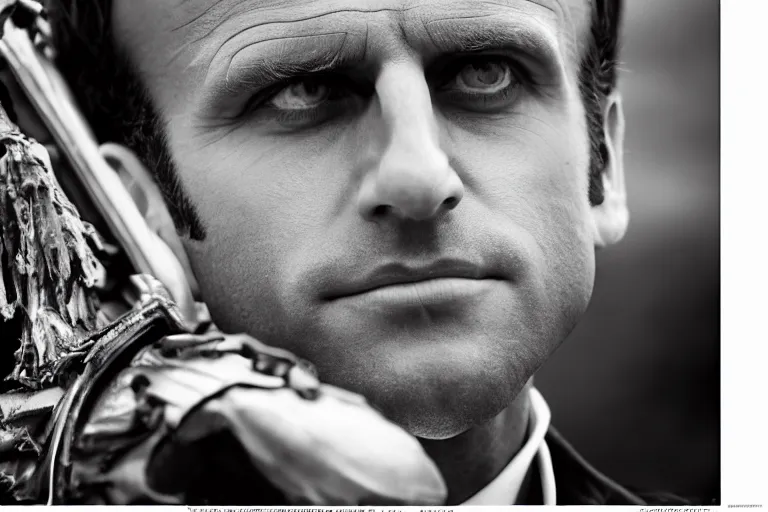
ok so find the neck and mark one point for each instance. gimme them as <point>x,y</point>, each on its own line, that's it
<point>469,461</point>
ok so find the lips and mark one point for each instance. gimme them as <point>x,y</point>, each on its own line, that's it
<point>399,282</point>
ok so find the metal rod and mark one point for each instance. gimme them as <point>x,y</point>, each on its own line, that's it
<point>49,95</point>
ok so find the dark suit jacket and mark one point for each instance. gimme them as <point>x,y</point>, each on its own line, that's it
<point>578,483</point>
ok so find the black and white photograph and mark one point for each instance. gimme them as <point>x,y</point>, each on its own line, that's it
<point>365,253</point>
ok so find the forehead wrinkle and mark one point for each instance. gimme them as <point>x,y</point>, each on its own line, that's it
<point>564,16</point>
<point>507,5</point>
<point>545,4</point>
<point>207,27</point>
<point>211,27</point>
<point>199,16</point>
<point>225,16</point>
<point>331,61</point>
<point>569,35</point>
<point>302,19</point>
<point>207,31</point>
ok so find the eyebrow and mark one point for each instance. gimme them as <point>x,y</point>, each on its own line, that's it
<point>458,35</point>
<point>268,61</point>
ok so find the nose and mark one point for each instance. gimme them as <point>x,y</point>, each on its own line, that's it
<point>413,178</point>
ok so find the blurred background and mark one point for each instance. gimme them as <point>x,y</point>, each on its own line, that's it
<point>636,388</point>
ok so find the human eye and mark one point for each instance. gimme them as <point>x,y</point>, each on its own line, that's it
<point>304,102</point>
<point>483,83</point>
<point>301,95</point>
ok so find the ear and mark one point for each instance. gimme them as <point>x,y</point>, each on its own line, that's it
<point>149,201</point>
<point>611,217</point>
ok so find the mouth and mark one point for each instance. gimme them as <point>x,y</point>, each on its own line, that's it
<point>398,284</point>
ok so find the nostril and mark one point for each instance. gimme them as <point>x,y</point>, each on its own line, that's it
<point>451,202</point>
<point>381,210</point>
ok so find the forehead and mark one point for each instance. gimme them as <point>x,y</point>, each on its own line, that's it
<point>199,21</point>
<point>208,14</point>
<point>191,38</point>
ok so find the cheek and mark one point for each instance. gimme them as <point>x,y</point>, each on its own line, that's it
<point>265,213</point>
<point>532,176</point>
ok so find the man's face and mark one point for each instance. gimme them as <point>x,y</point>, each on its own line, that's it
<point>394,190</point>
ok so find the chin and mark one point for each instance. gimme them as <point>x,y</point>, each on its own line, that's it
<point>452,415</point>
<point>439,392</point>
<point>439,425</point>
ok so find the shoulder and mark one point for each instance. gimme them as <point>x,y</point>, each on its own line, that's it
<point>579,483</point>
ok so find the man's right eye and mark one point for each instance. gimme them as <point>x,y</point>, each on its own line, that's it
<point>301,95</point>
<point>306,102</point>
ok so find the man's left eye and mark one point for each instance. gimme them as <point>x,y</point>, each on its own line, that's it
<point>484,76</point>
<point>482,83</point>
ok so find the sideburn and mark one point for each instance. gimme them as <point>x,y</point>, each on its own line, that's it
<point>119,109</point>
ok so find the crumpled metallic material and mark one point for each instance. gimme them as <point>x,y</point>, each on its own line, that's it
<point>48,252</point>
<point>224,419</point>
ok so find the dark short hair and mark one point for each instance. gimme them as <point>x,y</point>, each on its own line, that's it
<point>119,109</point>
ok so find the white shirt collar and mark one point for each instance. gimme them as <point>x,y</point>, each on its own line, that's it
<point>503,489</point>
